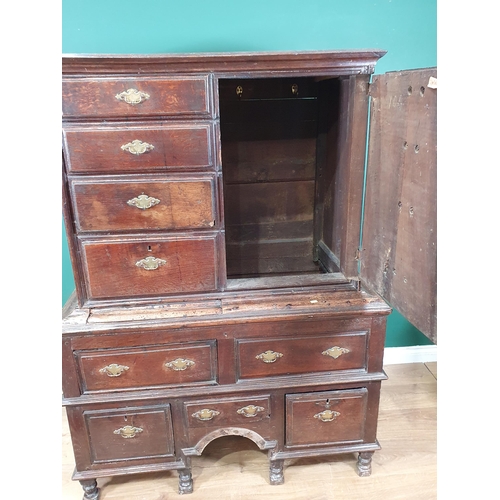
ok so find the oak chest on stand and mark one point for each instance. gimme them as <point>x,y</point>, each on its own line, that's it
<point>213,206</point>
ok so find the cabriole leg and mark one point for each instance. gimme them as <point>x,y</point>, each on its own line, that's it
<point>365,463</point>
<point>90,489</point>
<point>276,472</point>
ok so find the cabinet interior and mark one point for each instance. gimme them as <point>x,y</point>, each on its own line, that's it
<point>279,139</point>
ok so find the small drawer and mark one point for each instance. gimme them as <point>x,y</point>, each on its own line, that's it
<point>326,418</point>
<point>166,203</point>
<point>258,358</point>
<point>135,96</point>
<point>129,434</point>
<point>149,266</point>
<point>136,149</point>
<point>147,367</point>
<point>205,416</point>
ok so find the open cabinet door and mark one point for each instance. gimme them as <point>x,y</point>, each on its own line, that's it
<point>398,257</point>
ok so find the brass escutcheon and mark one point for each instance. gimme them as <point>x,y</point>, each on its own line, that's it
<point>335,351</point>
<point>250,411</point>
<point>327,415</point>
<point>113,370</point>
<point>150,263</point>
<point>143,201</point>
<point>239,90</point>
<point>137,147</point>
<point>132,96</point>
<point>180,364</point>
<point>205,414</point>
<point>295,89</point>
<point>128,431</point>
<point>269,356</point>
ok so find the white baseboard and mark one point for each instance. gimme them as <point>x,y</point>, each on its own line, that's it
<point>410,354</point>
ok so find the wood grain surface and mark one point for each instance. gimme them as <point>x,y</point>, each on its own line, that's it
<point>234,468</point>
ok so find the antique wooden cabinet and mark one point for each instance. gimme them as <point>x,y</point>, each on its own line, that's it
<point>214,206</point>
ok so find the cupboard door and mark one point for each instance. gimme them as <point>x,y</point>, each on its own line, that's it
<point>398,257</point>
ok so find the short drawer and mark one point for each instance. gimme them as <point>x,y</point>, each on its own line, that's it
<point>326,418</point>
<point>256,358</point>
<point>136,149</point>
<point>166,203</point>
<point>149,266</point>
<point>205,416</point>
<point>117,435</point>
<point>146,367</point>
<point>135,96</point>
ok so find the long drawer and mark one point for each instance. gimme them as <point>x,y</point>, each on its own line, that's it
<point>138,148</point>
<point>115,204</point>
<point>191,363</point>
<point>135,96</point>
<point>148,266</point>
<point>260,358</point>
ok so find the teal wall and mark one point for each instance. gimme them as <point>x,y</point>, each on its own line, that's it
<point>407,29</point>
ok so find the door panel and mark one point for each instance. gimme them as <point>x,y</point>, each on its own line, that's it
<point>398,257</point>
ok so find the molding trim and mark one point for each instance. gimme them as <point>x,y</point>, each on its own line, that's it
<point>410,354</point>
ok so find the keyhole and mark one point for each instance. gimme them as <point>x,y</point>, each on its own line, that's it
<point>149,248</point>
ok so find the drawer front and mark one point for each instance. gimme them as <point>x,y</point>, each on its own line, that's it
<point>258,358</point>
<point>151,366</point>
<point>138,149</point>
<point>138,433</point>
<point>205,416</point>
<point>128,97</point>
<point>326,418</point>
<point>147,267</point>
<point>114,204</point>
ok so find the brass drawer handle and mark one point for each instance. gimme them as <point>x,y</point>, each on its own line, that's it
<point>180,364</point>
<point>205,414</point>
<point>132,96</point>
<point>150,263</point>
<point>327,415</point>
<point>143,201</point>
<point>250,411</point>
<point>335,351</point>
<point>128,431</point>
<point>137,147</point>
<point>113,370</point>
<point>269,356</point>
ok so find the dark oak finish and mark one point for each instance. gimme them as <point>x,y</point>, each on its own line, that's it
<point>112,204</point>
<point>325,418</point>
<point>91,149</point>
<point>113,271</point>
<point>94,97</point>
<point>214,225</point>
<point>301,354</point>
<point>147,366</point>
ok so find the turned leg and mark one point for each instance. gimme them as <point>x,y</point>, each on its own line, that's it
<point>90,489</point>
<point>185,481</point>
<point>365,463</point>
<point>276,472</point>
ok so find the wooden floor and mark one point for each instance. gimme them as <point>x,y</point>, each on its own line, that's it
<point>233,468</point>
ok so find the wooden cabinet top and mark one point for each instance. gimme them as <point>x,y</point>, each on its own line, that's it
<point>336,62</point>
